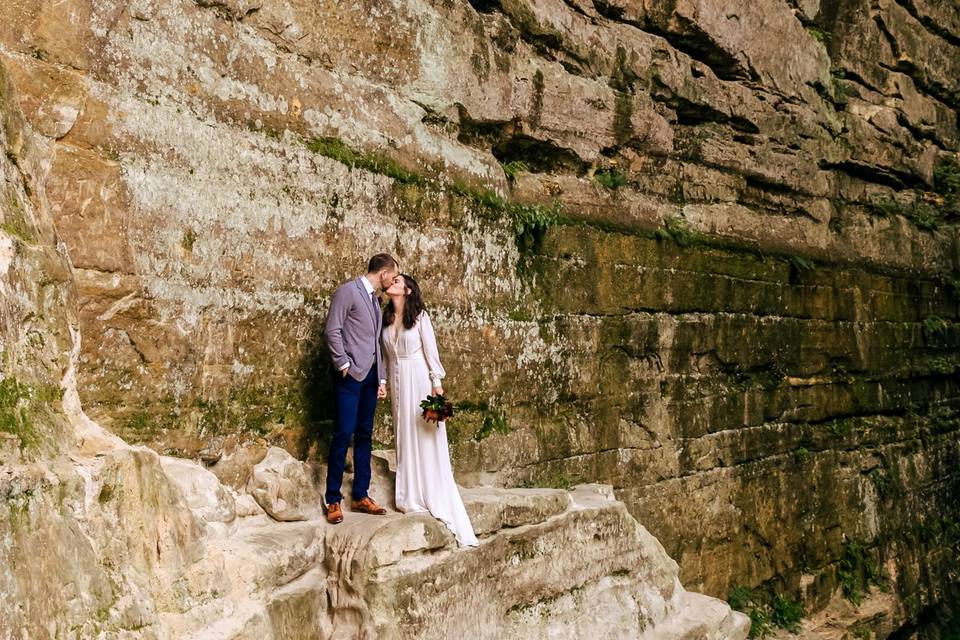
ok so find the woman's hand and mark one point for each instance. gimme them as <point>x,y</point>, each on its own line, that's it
<point>438,391</point>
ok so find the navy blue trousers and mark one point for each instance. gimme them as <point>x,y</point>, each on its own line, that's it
<point>356,404</point>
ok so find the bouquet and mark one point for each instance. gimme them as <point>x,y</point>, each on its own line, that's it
<point>436,408</point>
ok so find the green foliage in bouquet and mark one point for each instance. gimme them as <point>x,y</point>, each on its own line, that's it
<point>436,408</point>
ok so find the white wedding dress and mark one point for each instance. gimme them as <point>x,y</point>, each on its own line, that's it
<point>424,475</point>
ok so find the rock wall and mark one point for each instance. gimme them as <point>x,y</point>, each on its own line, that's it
<point>704,252</point>
<point>99,539</point>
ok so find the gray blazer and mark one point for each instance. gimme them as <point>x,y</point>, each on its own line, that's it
<point>353,331</point>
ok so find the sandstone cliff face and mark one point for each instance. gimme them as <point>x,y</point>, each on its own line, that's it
<point>99,539</point>
<point>705,252</point>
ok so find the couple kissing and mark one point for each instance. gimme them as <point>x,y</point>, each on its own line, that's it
<point>377,351</point>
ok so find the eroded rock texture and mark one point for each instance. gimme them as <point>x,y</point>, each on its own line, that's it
<point>731,291</point>
<point>99,539</point>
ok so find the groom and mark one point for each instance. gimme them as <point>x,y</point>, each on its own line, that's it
<point>353,337</point>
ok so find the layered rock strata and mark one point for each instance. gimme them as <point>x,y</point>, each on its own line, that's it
<point>706,256</point>
<point>99,539</point>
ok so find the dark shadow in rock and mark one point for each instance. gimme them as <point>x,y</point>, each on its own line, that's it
<point>317,395</point>
<point>541,156</point>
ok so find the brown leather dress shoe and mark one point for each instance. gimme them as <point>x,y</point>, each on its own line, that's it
<point>367,505</point>
<point>334,514</point>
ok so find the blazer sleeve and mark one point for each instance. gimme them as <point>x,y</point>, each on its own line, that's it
<point>339,308</point>
<point>429,340</point>
<point>384,363</point>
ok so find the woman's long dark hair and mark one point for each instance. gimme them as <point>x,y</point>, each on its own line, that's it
<point>412,306</point>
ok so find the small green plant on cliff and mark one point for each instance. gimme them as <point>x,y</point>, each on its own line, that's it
<point>840,427</point>
<point>943,418</point>
<point>786,614</point>
<point>800,263</point>
<point>15,222</point>
<point>493,422</point>
<point>819,34</point>
<point>946,176</point>
<point>837,223</point>
<point>512,169</point>
<point>946,182</point>
<point>530,220</point>
<point>884,483</point>
<point>138,421</point>
<point>19,507</point>
<point>553,480</point>
<point>921,213</point>
<point>336,149</point>
<point>15,231</point>
<point>610,178</point>
<point>520,315</point>
<point>676,229</point>
<point>19,403</point>
<point>923,216</point>
<point>935,327</point>
<point>742,599</point>
<point>843,90</point>
<point>942,365</point>
<point>766,612</point>
<point>801,455</point>
<point>856,570</point>
<point>12,394</point>
<point>884,207</point>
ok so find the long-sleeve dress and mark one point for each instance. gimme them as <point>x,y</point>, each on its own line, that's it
<point>424,475</point>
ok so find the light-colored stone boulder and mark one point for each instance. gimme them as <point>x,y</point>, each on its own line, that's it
<point>247,506</point>
<point>491,509</point>
<point>264,554</point>
<point>236,464</point>
<point>204,494</point>
<point>281,484</point>
<point>392,538</point>
<point>584,570</point>
<point>299,610</point>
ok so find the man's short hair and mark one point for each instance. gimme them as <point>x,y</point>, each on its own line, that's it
<point>381,261</point>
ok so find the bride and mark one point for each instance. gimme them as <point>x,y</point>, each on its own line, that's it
<point>424,476</point>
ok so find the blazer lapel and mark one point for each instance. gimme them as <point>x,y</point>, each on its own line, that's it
<point>366,297</point>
